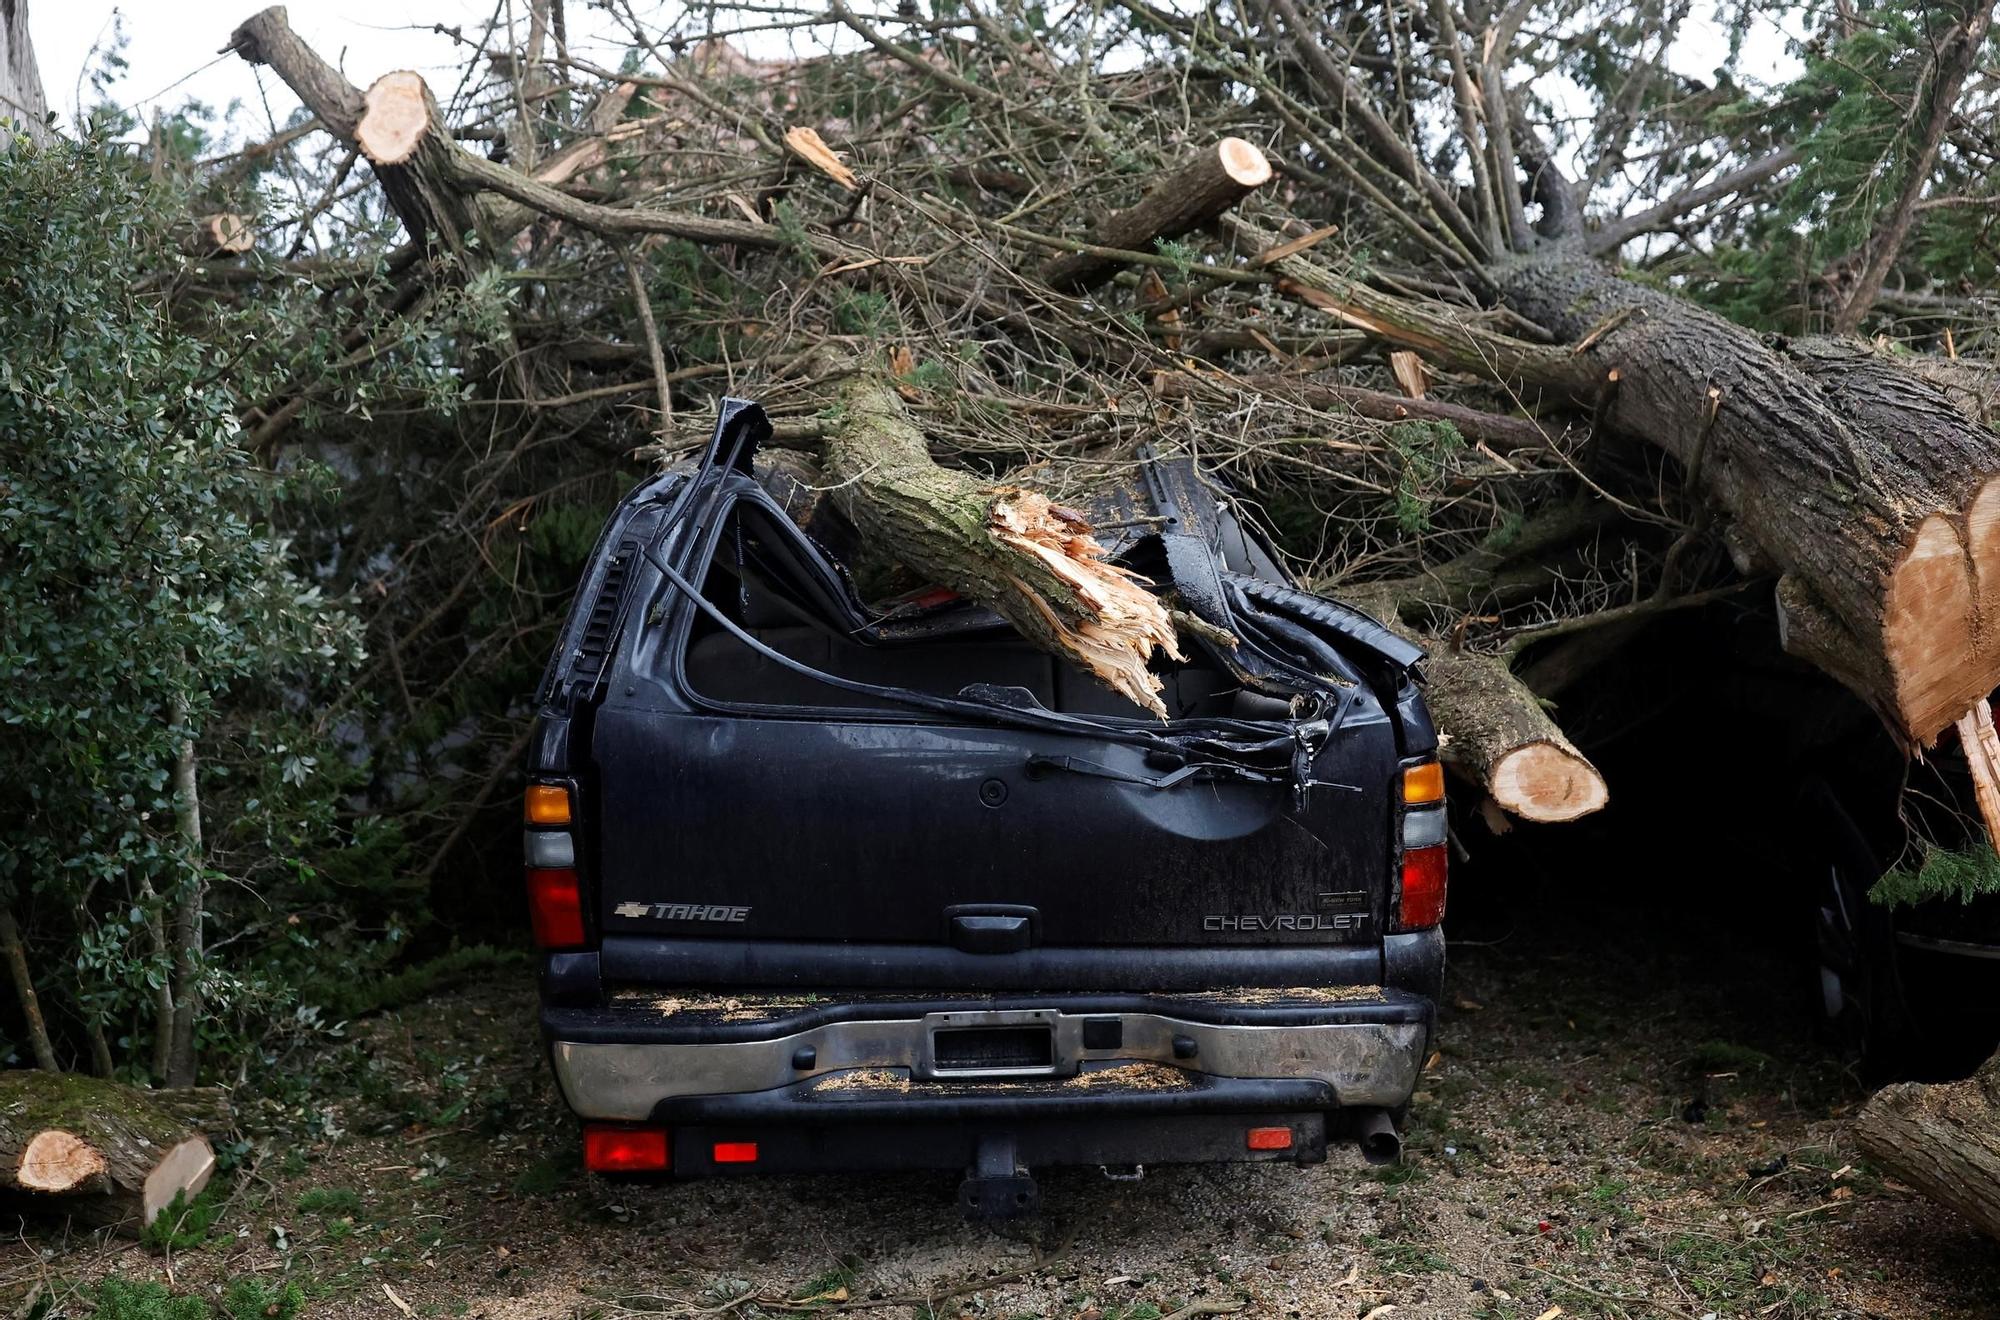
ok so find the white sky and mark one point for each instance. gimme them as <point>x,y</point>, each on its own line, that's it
<point>173,47</point>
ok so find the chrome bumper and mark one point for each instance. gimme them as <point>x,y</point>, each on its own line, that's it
<point>1363,1063</point>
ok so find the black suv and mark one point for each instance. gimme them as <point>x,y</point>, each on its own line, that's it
<point>825,886</point>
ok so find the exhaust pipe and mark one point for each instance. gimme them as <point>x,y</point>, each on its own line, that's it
<point>1375,1133</point>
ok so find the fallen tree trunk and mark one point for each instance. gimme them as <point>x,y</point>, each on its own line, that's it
<point>1943,1140</point>
<point>1885,516</point>
<point>1012,549</point>
<point>103,1153</point>
<point>1209,183</point>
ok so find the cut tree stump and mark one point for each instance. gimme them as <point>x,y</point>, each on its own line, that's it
<point>225,234</point>
<point>1209,183</point>
<point>1943,1140</point>
<point>102,1153</point>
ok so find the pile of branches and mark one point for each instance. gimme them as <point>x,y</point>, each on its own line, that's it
<point>1351,260</point>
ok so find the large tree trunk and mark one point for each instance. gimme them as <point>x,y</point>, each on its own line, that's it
<point>103,1153</point>
<point>21,98</point>
<point>1943,1140</point>
<point>1859,481</point>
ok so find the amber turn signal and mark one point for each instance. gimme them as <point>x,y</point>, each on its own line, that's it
<point>547,804</point>
<point>1423,783</point>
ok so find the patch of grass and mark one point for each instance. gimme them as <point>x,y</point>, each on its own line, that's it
<point>332,1202</point>
<point>1406,1257</point>
<point>1398,1174</point>
<point>547,1175</point>
<point>115,1299</point>
<point>253,1299</point>
<point>827,1285</point>
<point>1720,1056</point>
<point>183,1225</point>
<point>1748,1272</point>
<point>1136,1311</point>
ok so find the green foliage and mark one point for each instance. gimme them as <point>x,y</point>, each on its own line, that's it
<point>1958,874</point>
<point>117,1299</point>
<point>1184,256</point>
<point>860,312</point>
<point>154,615</point>
<point>253,1299</point>
<point>1425,451</point>
<point>244,1299</point>
<point>341,996</point>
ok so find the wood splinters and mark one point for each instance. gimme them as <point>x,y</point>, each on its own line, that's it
<point>1129,622</point>
<point>1982,759</point>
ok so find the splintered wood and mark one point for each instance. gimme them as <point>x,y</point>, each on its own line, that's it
<point>1129,622</point>
<point>1982,760</point>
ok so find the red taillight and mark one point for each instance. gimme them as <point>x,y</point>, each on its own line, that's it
<point>1269,1139</point>
<point>609,1148</point>
<point>735,1152</point>
<point>1423,888</point>
<point>555,904</point>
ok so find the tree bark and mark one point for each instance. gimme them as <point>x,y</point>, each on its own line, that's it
<point>1498,736</point>
<point>100,1152</point>
<point>21,98</point>
<point>1208,184</point>
<point>1032,561</point>
<point>1943,1140</point>
<point>1860,481</point>
<point>24,990</point>
<point>181,1061</point>
<point>1501,739</point>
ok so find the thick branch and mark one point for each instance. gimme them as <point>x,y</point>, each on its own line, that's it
<point>1202,188</point>
<point>1943,1140</point>
<point>1614,234</point>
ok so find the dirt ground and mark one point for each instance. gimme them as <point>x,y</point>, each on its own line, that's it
<point>1626,1115</point>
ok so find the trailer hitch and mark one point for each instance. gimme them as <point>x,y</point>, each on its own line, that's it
<point>996,1186</point>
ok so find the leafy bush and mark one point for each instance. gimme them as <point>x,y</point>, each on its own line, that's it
<point>162,653</point>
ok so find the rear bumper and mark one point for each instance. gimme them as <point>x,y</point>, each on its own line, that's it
<point>774,1061</point>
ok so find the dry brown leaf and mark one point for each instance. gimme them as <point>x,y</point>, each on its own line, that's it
<point>1550,1314</point>
<point>401,1305</point>
<point>807,146</point>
